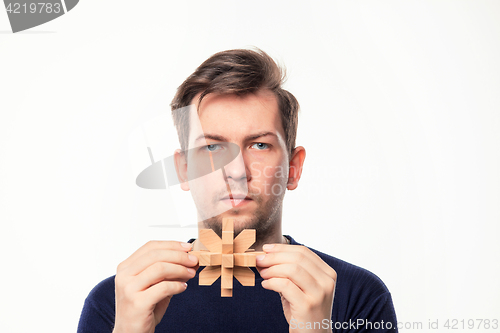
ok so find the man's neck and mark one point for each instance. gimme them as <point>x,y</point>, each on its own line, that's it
<point>272,237</point>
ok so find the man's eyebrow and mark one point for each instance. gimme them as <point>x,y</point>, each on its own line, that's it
<point>217,137</point>
<point>259,135</point>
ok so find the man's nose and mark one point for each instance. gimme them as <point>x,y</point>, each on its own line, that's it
<point>236,169</point>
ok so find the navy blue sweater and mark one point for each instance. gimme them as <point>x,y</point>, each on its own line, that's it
<point>362,303</point>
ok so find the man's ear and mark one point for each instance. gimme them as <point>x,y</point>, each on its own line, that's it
<point>295,167</point>
<point>181,169</point>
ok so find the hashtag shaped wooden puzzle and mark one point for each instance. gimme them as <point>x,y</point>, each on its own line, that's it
<point>227,257</point>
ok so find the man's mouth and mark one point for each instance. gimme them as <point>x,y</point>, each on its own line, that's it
<point>236,199</point>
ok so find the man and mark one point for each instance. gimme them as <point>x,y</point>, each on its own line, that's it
<point>237,100</point>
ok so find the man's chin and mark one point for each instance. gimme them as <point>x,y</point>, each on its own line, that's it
<point>241,221</point>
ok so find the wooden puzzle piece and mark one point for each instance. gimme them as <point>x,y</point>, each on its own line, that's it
<point>247,259</point>
<point>209,275</point>
<point>245,276</point>
<point>244,240</point>
<point>210,239</point>
<point>206,258</point>
<point>228,260</point>
<point>227,257</point>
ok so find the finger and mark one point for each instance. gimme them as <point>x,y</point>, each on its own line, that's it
<point>155,245</point>
<point>286,288</point>
<point>303,279</point>
<point>158,272</point>
<point>160,255</point>
<point>160,291</point>
<point>301,253</point>
<point>295,258</point>
<point>160,309</point>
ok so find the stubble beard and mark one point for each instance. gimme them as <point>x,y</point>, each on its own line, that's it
<point>264,220</point>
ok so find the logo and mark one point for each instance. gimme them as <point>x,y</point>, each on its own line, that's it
<point>200,168</point>
<point>28,14</point>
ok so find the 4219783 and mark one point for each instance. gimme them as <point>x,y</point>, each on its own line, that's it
<point>471,324</point>
<point>34,8</point>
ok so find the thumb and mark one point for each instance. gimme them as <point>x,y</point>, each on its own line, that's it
<point>160,309</point>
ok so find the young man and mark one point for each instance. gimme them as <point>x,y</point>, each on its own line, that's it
<point>235,99</point>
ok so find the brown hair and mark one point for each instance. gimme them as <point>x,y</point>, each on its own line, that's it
<point>238,72</point>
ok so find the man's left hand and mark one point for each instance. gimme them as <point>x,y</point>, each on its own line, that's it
<point>305,282</point>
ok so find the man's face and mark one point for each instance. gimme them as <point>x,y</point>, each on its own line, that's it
<point>251,187</point>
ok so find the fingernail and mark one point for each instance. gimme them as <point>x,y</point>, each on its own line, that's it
<point>185,285</point>
<point>260,257</point>
<point>268,246</point>
<point>192,258</point>
<point>262,271</point>
<point>186,245</point>
<point>191,271</point>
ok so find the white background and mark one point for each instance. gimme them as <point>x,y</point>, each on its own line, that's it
<point>400,117</point>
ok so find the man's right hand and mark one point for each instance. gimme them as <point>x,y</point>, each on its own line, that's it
<point>147,280</point>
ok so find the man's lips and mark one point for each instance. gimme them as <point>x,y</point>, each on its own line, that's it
<point>236,199</point>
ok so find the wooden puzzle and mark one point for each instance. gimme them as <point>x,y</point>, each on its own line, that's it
<point>227,257</point>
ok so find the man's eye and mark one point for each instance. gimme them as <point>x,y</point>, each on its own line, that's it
<point>212,147</point>
<point>260,145</point>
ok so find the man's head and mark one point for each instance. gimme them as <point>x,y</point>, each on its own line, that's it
<point>239,72</point>
<point>238,101</point>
